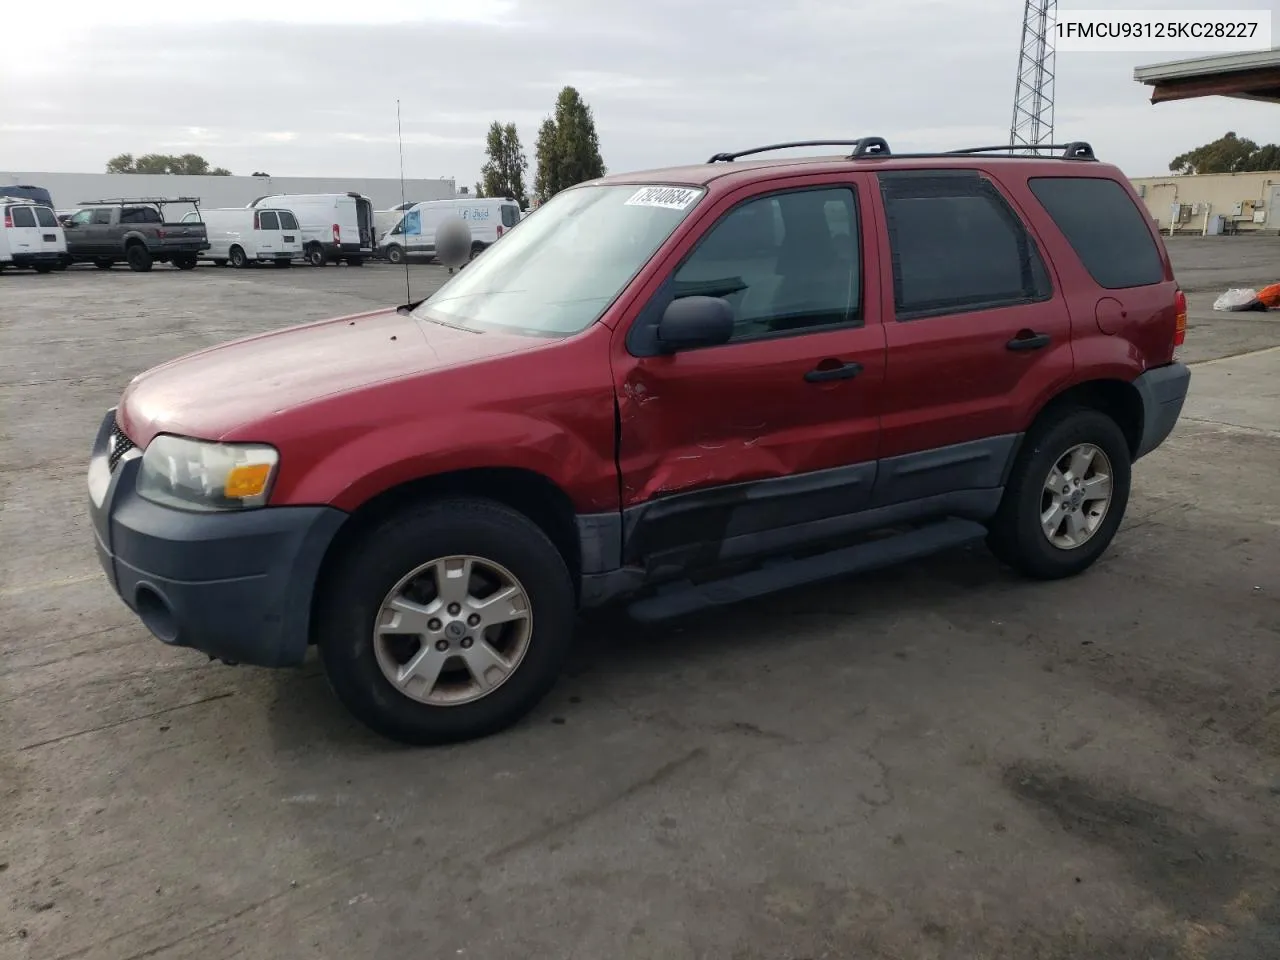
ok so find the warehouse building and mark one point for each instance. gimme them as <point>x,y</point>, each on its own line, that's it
<point>1218,202</point>
<point>70,189</point>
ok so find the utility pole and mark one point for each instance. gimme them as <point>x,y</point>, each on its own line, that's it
<point>1033,96</point>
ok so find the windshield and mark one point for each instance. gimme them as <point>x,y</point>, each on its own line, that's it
<point>566,264</point>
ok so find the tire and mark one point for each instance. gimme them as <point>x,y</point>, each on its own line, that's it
<point>372,567</point>
<point>395,253</point>
<point>104,264</point>
<point>315,256</point>
<point>1016,534</point>
<point>185,262</point>
<point>477,248</point>
<point>237,258</point>
<point>139,258</point>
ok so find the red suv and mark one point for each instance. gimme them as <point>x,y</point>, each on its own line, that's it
<point>675,389</point>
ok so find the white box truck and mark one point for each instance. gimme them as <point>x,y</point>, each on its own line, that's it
<point>488,217</point>
<point>240,237</point>
<point>335,226</point>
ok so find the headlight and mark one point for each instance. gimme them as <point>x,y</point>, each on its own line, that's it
<point>198,475</point>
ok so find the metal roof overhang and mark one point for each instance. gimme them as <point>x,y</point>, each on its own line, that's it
<point>1244,76</point>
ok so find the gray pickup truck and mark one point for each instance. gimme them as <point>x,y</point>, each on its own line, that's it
<point>140,232</point>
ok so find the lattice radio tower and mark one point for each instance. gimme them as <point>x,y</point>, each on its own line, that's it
<point>1033,98</point>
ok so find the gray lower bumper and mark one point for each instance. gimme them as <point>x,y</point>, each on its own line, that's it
<point>1163,391</point>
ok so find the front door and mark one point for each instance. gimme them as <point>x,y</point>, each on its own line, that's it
<point>726,449</point>
<point>974,329</point>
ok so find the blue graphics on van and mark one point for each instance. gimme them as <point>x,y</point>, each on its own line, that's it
<point>475,213</point>
<point>413,223</point>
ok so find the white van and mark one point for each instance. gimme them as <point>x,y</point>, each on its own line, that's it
<point>335,226</point>
<point>488,217</point>
<point>30,236</point>
<point>240,237</point>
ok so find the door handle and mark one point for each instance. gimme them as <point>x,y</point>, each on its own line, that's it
<point>1028,340</point>
<point>846,371</point>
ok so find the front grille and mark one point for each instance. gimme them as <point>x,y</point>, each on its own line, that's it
<point>120,445</point>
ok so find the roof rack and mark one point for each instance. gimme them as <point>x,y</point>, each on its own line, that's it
<point>116,200</point>
<point>871,147</point>
<point>862,147</point>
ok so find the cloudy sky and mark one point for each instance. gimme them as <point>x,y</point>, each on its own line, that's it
<point>313,92</point>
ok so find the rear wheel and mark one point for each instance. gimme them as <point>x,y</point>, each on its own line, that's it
<point>448,621</point>
<point>238,259</point>
<point>395,253</point>
<point>315,255</point>
<point>1066,495</point>
<point>139,258</point>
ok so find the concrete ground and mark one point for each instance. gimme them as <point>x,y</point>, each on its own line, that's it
<point>939,761</point>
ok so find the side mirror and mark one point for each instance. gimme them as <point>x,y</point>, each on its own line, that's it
<point>695,322</point>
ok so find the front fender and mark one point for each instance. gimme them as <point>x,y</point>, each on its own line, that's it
<point>366,463</point>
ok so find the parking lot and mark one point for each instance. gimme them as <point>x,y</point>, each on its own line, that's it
<point>938,761</point>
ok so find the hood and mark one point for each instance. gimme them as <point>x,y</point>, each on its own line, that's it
<point>212,392</point>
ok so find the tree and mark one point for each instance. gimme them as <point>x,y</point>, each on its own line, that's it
<point>190,164</point>
<point>568,148</point>
<point>503,174</point>
<point>256,173</point>
<point>479,191</point>
<point>548,172</point>
<point>1227,154</point>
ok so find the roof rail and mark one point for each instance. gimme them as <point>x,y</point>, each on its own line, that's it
<point>115,200</point>
<point>864,146</point>
<point>1075,150</point>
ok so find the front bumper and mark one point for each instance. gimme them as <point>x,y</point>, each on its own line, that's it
<point>236,586</point>
<point>1163,391</point>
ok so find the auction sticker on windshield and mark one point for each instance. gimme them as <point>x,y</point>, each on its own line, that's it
<point>672,198</point>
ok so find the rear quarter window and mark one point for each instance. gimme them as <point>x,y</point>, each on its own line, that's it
<point>45,217</point>
<point>288,221</point>
<point>1105,229</point>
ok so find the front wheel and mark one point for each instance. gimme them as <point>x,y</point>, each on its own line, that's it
<point>1066,495</point>
<point>448,621</point>
<point>395,253</point>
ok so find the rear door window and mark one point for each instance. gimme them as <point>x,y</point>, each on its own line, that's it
<point>288,221</point>
<point>45,217</point>
<point>140,215</point>
<point>22,216</point>
<point>1105,229</point>
<point>267,220</point>
<point>957,246</point>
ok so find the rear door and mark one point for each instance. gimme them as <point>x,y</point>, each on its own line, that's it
<point>510,214</point>
<point>290,233</point>
<point>24,232</point>
<point>976,332</point>
<point>365,223</point>
<point>52,238</point>
<point>266,232</point>
<point>724,448</point>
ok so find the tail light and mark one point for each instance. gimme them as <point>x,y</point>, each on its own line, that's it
<point>337,233</point>
<point>8,219</point>
<point>500,229</point>
<point>257,221</point>
<point>1180,323</point>
<point>160,234</point>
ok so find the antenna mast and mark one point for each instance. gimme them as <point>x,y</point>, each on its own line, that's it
<point>1033,97</point>
<point>408,292</point>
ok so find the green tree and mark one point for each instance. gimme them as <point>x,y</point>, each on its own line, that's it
<point>1228,154</point>
<point>504,172</point>
<point>568,148</point>
<point>188,163</point>
<point>548,164</point>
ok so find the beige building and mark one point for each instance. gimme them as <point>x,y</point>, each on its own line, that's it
<point>1213,203</point>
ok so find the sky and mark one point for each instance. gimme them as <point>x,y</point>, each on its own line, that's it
<point>313,91</point>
